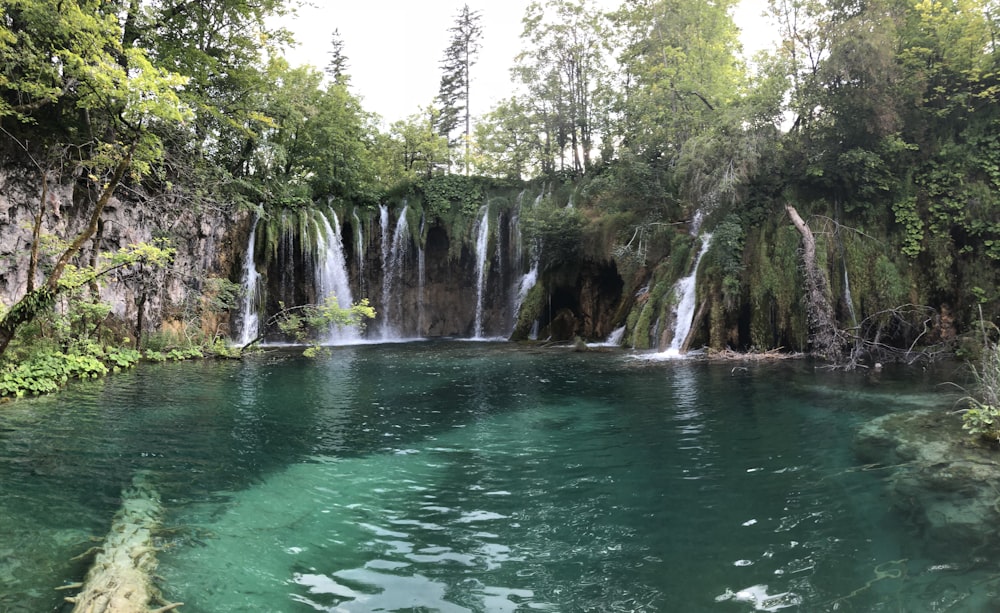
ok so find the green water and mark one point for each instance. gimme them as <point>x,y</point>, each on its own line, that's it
<point>481,477</point>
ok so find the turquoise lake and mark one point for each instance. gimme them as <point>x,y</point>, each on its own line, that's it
<point>461,476</point>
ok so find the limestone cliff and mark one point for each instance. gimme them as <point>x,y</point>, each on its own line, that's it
<point>143,299</point>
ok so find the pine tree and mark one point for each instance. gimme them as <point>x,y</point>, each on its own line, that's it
<point>337,67</point>
<point>454,93</point>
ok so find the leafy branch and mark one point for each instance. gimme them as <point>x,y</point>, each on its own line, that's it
<point>305,323</point>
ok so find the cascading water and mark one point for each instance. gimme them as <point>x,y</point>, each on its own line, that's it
<point>359,249</point>
<point>527,282</point>
<point>331,277</point>
<point>421,279</point>
<point>383,223</point>
<point>685,290</point>
<point>614,339</point>
<point>482,242</point>
<point>250,322</point>
<point>392,271</point>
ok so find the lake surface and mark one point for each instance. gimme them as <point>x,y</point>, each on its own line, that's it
<point>481,477</point>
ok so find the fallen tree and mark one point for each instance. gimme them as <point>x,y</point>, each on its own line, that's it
<point>825,338</point>
<point>120,579</point>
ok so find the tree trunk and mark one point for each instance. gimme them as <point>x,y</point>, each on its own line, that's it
<point>824,336</point>
<point>120,579</point>
<point>23,311</point>
<point>36,233</point>
<point>36,300</point>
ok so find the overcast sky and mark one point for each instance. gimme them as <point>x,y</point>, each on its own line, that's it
<point>394,47</point>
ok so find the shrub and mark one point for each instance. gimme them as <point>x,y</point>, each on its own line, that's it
<point>982,418</point>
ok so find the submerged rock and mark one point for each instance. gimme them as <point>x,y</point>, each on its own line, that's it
<point>941,481</point>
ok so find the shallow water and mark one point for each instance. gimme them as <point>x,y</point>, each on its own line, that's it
<point>481,477</point>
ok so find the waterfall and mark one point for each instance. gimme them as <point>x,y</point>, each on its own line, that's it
<point>527,282</point>
<point>685,290</point>
<point>393,255</point>
<point>331,277</point>
<point>421,279</point>
<point>383,222</point>
<point>250,323</point>
<point>614,339</point>
<point>359,249</point>
<point>482,242</point>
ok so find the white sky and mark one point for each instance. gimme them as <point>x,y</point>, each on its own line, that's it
<point>394,47</point>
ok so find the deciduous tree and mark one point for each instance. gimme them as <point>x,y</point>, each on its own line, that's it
<point>68,62</point>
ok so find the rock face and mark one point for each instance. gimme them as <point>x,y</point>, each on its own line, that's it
<point>941,481</point>
<point>143,299</point>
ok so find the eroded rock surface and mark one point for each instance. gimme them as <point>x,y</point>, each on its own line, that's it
<point>939,479</point>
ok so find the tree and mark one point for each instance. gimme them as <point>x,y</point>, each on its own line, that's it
<point>415,147</point>
<point>563,70</point>
<point>507,141</point>
<point>454,95</point>
<point>72,66</point>
<point>679,65</point>
<point>222,46</point>
<point>337,67</point>
<point>315,142</point>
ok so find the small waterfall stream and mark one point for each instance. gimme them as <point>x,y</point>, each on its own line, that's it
<point>392,271</point>
<point>250,322</point>
<point>331,277</point>
<point>383,222</point>
<point>421,279</point>
<point>686,295</point>
<point>482,242</point>
<point>527,282</point>
<point>614,339</point>
<point>359,250</point>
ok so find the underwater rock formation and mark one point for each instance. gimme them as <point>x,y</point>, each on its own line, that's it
<point>940,480</point>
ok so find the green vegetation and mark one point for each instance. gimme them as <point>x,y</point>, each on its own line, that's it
<point>982,417</point>
<point>305,323</point>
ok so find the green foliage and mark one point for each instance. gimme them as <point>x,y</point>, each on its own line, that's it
<point>155,356</point>
<point>563,68</point>
<point>186,353</point>
<point>505,144</point>
<point>122,357</point>
<point>682,64</point>
<point>912,225</point>
<point>531,310</point>
<point>446,196</point>
<point>456,79</point>
<point>46,371</point>
<point>305,323</point>
<point>558,231</point>
<point>777,318</point>
<point>727,256</point>
<point>982,418</point>
<point>220,294</point>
